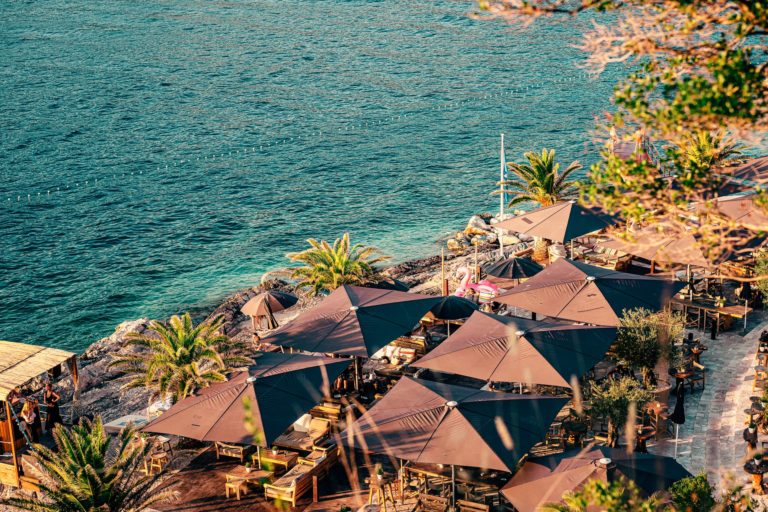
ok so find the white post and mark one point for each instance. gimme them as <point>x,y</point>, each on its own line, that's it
<point>677,428</point>
<point>502,177</point>
<point>746,307</point>
<point>453,487</point>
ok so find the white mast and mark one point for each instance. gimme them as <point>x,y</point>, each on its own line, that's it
<point>502,177</point>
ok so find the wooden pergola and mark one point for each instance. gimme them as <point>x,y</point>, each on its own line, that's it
<point>19,364</point>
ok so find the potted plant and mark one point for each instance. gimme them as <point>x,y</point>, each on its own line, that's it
<point>758,458</point>
<point>275,451</point>
<point>752,426</point>
<point>379,472</point>
<point>248,467</point>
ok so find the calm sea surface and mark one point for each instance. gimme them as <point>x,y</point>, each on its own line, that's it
<point>156,155</point>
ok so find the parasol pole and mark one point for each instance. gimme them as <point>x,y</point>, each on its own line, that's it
<point>502,178</point>
<point>746,307</point>
<point>453,487</point>
<point>677,431</point>
<point>443,283</point>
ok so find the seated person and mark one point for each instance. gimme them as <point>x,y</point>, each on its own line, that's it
<point>28,418</point>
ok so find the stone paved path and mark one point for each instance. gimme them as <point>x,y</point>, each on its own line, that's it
<point>711,438</point>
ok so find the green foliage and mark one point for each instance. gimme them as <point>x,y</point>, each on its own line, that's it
<point>612,400</point>
<point>540,181</point>
<point>700,72</point>
<point>86,473</point>
<point>761,269</point>
<point>326,267</point>
<point>638,341</point>
<point>620,495</point>
<point>179,358</point>
<point>693,494</point>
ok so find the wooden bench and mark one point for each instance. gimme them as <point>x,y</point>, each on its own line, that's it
<point>292,485</point>
<point>298,480</point>
<point>230,450</point>
<point>430,503</point>
<point>471,506</point>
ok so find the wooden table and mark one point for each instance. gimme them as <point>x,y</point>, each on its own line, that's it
<point>283,458</point>
<point>734,311</point>
<point>240,476</point>
<point>757,471</point>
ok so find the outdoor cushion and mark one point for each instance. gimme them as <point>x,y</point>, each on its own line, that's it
<point>302,424</point>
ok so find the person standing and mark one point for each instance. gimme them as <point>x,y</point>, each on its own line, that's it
<point>51,399</point>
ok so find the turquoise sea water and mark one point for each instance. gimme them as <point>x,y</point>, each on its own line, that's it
<point>156,155</point>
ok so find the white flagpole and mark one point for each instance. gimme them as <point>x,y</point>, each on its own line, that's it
<point>503,195</point>
<point>502,177</point>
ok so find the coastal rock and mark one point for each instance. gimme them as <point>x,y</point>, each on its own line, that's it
<point>509,240</point>
<point>524,238</point>
<point>477,225</point>
<point>457,245</point>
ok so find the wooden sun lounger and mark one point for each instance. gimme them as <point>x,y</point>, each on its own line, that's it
<point>305,441</point>
<point>298,480</point>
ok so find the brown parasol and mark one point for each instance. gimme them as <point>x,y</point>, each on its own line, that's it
<point>354,321</point>
<point>742,209</point>
<point>559,223</point>
<point>576,291</point>
<point>263,305</point>
<point>661,246</point>
<point>280,387</point>
<point>544,480</point>
<point>507,349</point>
<point>437,423</point>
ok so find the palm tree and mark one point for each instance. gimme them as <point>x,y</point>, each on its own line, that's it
<point>86,473</point>
<point>704,150</point>
<point>326,267</point>
<point>180,358</point>
<point>539,181</point>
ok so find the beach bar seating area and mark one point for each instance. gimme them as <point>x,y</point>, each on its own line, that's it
<point>21,364</point>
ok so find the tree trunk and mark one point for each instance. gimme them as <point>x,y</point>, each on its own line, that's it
<point>540,249</point>
<point>613,435</point>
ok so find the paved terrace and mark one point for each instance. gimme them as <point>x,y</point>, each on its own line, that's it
<point>711,438</point>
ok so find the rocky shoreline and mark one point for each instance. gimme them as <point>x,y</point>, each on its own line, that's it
<point>100,389</point>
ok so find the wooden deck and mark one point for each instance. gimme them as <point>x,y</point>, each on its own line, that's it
<point>201,489</point>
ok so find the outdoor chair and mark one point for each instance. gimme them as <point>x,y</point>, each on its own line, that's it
<point>761,377</point>
<point>698,377</point>
<point>430,503</point>
<point>555,435</point>
<point>230,450</point>
<point>321,457</point>
<point>471,506</point>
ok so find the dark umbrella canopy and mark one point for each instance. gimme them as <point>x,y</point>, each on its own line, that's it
<point>452,307</point>
<point>560,223</point>
<point>430,422</point>
<point>514,268</point>
<point>280,387</point>
<point>507,349</point>
<point>544,480</point>
<point>576,291</point>
<point>354,321</point>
